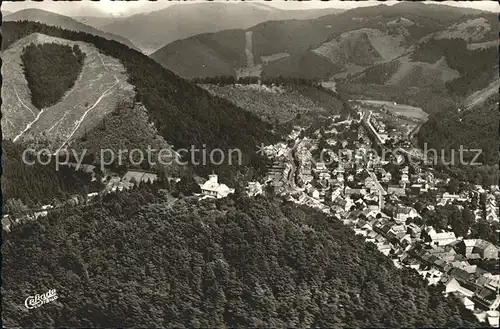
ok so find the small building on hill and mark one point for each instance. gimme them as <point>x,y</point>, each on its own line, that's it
<point>212,188</point>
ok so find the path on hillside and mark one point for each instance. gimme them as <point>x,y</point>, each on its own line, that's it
<point>22,103</point>
<point>28,126</point>
<point>248,49</point>
<point>104,94</point>
<point>480,96</point>
<point>79,122</point>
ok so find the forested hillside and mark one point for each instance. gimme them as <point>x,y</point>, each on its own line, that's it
<point>224,50</point>
<point>308,65</point>
<point>36,185</point>
<point>241,262</point>
<point>51,70</point>
<point>183,113</point>
<point>476,128</point>
<point>126,128</point>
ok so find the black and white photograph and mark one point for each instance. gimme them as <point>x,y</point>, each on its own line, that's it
<point>250,164</point>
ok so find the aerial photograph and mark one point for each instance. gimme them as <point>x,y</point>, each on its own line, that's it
<point>250,164</point>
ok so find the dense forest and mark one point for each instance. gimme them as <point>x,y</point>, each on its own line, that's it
<point>183,113</point>
<point>307,65</point>
<point>476,67</point>
<point>476,128</point>
<point>36,185</point>
<point>51,70</point>
<point>135,260</point>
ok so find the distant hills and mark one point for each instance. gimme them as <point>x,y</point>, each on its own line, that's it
<point>65,22</point>
<point>180,21</point>
<point>348,42</point>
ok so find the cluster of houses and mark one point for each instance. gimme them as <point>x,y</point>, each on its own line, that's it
<point>491,208</point>
<point>115,182</point>
<point>379,127</point>
<point>365,195</point>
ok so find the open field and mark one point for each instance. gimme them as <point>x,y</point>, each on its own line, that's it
<point>408,111</point>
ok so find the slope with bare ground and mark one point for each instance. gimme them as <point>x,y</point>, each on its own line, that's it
<point>363,46</point>
<point>472,30</point>
<point>100,86</point>
<point>421,74</point>
<point>479,97</point>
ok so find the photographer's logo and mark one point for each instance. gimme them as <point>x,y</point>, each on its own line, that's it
<point>38,300</point>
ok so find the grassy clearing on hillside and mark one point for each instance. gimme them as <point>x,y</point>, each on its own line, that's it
<point>408,111</point>
<point>308,65</point>
<point>101,85</point>
<point>421,74</point>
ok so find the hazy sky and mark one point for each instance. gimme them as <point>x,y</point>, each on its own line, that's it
<point>125,8</point>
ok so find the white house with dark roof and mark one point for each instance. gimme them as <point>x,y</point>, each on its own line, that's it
<point>440,239</point>
<point>212,188</point>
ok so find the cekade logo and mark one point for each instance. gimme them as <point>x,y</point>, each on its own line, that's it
<point>38,300</point>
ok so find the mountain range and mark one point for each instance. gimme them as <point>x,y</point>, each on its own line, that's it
<point>179,21</point>
<point>65,22</point>
<point>345,42</point>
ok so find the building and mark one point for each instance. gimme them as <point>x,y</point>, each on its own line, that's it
<point>439,239</point>
<point>212,188</point>
<point>403,213</point>
<point>404,179</point>
<point>386,177</point>
<point>351,191</point>
<point>396,190</point>
<point>447,197</point>
<point>136,176</point>
<point>477,249</point>
<point>254,188</point>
